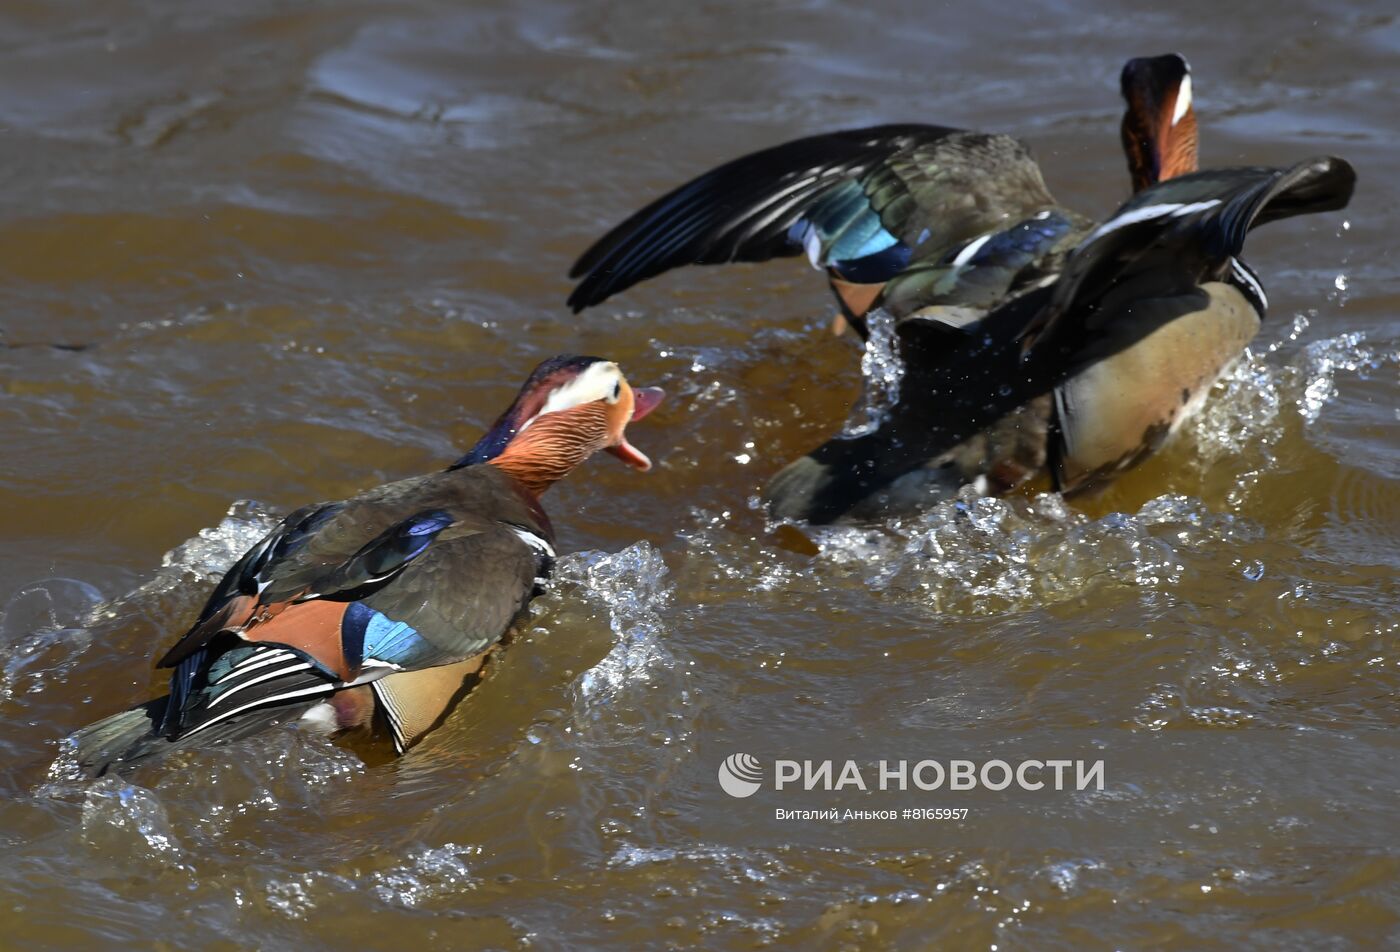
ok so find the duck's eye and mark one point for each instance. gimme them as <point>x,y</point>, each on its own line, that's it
<point>617,391</point>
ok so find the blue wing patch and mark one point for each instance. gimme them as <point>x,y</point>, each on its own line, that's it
<point>876,268</point>
<point>369,635</point>
<point>842,229</point>
<point>1014,247</point>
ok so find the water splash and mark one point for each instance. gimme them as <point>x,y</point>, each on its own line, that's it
<point>1065,875</point>
<point>882,370</point>
<point>1261,397</point>
<point>119,817</point>
<point>205,557</point>
<point>1322,360</point>
<point>1308,380</point>
<point>291,897</point>
<point>430,875</point>
<point>633,586</point>
<point>284,770</point>
<point>43,632</point>
<point>983,555</point>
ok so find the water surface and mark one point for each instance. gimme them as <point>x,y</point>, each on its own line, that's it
<point>297,252</point>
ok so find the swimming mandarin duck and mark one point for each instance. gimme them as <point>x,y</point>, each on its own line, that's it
<point>956,237</point>
<point>385,604</point>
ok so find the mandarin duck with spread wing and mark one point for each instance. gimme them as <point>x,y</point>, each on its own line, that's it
<point>956,237</point>
<point>383,606</point>
<point>865,204</point>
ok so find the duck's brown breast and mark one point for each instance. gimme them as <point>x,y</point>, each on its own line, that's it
<point>1123,407</point>
<point>856,299</point>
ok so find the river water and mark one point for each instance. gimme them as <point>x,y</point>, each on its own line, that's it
<point>292,251</point>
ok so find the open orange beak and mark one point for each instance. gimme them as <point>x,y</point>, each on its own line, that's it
<point>644,400</point>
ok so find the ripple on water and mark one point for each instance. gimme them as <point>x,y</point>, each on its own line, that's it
<point>632,713</point>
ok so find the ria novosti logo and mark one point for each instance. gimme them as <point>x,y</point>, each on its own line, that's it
<point>741,775</point>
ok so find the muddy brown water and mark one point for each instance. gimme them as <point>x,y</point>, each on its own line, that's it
<point>307,249</point>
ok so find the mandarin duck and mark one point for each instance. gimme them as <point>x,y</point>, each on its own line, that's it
<point>955,236</point>
<point>382,607</point>
<point>865,204</point>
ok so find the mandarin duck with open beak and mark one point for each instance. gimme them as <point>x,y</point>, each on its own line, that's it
<point>955,236</point>
<point>383,606</point>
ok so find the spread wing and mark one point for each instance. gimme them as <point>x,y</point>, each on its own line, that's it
<point>1184,231</point>
<point>860,200</point>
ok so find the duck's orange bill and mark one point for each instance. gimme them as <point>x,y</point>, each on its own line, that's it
<point>645,399</point>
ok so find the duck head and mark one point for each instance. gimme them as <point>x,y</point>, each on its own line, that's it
<point>1159,126</point>
<point>569,408</point>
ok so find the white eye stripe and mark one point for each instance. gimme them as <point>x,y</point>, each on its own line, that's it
<point>1183,99</point>
<point>598,382</point>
